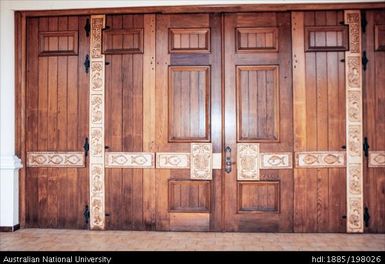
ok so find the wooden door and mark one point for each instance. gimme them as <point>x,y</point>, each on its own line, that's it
<point>374,121</point>
<point>258,122</point>
<point>188,110</point>
<point>56,122</point>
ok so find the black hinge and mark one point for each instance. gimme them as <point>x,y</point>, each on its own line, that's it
<point>364,22</point>
<point>364,60</point>
<point>87,63</point>
<point>87,27</point>
<point>366,216</point>
<point>366,147</point>
<point>86,146</point>
<point>86,214</point>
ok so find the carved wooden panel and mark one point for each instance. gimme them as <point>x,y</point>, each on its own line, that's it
<point>189,196</point>
<point>257,103</point>
<point>189,103</point>
<point>379,37</point>
<point>248,161</point>
<point>189,40</point>
<point>258,39</point>
<point>201,161</point>
<point>172,160</point>
<point>278,160</point>
<point>320,159</point>
<point>55,159</point>
<point>123,41</point>
<point>326,38</point>
<point>129,160</point>
<point>258,197</point>
<point>58,43</point>
<point>376,159</point>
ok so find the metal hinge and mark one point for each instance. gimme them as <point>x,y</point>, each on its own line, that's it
<point>366,216</point>
<point>366,147</point>
<point>86,214</point>
<point>364,22</point>
<point>86,146</point>
<point>87,27</point>
<point>87,63</point>
<point>364,60</point>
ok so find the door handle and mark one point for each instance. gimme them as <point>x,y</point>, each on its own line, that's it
<point>228,162</point>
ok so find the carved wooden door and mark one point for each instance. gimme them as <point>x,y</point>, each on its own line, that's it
<point>374,121</point>
<point>188,122</point>
<point>258,122</point>
<point>56,98</point>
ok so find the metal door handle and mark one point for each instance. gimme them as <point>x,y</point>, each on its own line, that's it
<point>228,162</point>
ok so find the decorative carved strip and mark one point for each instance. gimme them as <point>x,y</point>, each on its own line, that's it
<point>258,39</point>
<point>96,125</point>
<point>134,45</point>
<point>201,161</point>
<point>68,38</point>
<point>55,159</point>
<point>354,156</point>
<point>315,32</point>
<point>376,158</point>
<point>248,161</point>
<point>189,40</point>
<point>379,37</point>
<point>169,160</point>
<point>274,161</point>
<point>139,160</point>
<point>320,159</point>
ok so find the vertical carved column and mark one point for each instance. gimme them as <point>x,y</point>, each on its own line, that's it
<point>96,117</point>
<point>354,165</point>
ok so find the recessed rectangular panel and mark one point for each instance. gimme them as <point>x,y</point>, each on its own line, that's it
<point>258,197</point>
<point>189,196</point>
<point>123,41</point>
<point>258,103</point>
<point>189,104</point>
<point>189,40</point>
<point>326,38</point>
<point>258,39</point>
<point>58,43</point>
<point>379,37</point>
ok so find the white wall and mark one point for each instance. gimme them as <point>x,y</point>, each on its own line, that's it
<point>9,163</point>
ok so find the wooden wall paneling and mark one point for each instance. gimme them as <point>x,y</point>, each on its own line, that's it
<point>374,122</point>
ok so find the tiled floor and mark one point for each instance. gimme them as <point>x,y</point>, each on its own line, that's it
<point>79,240</point>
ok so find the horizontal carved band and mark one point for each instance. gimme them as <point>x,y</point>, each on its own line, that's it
<point>129,160</point>
<point>376,159</point>
<point>275,161</point>
<point>169,160</point>
<point>320,159</point>
<point>55,159</point>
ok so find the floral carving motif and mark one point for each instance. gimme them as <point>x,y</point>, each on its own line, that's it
<point>55,159</point>
<point>201,161</point>
<point>354,141</point>
<point>354,71</point>
<point>354,106</point>
<point>355,179</point>
<point>355,214</point>
<point>97,24</point>
<point>97,109</point>
<point>248,161</point>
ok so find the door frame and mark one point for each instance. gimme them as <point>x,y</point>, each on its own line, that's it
<point>21,46</point>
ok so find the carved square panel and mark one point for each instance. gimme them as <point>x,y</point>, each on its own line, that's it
<point>201,161</point>
<point>326,38</point>
<point>58,43</point>
<point>379,37</point>
<point>189,40</point>
<point>258,39</point>
<point>248,161</point>
<point>189,196</point>
<point>259,197</point>
<point>123,41</point>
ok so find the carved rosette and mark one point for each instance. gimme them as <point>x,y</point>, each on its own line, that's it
<point>320,159</point>
<point>247,161</point>
<point>201,161</point>
<point>96,124</point>
<point>55,159</point>
<point>354,155</point>
<point>139,160</point>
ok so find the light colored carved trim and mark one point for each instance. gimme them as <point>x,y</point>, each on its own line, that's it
<point>172,160</point>
<point>140,160</point>
<point>276,160</point>
<point>247,161</point>
<point>217,161</point>
<point>320,159</point>
<point>201,161</point>
<point>55,159</point>
<point>376,159</point>
<point>96,124</point>
<point>354,125</point>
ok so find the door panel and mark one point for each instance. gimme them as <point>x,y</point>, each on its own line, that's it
<point>258,106</point>
<point>57,122</point>
<point>188,110</point>
<point>374,99</point>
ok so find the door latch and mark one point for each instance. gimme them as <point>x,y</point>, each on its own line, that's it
<point>228,162</point>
